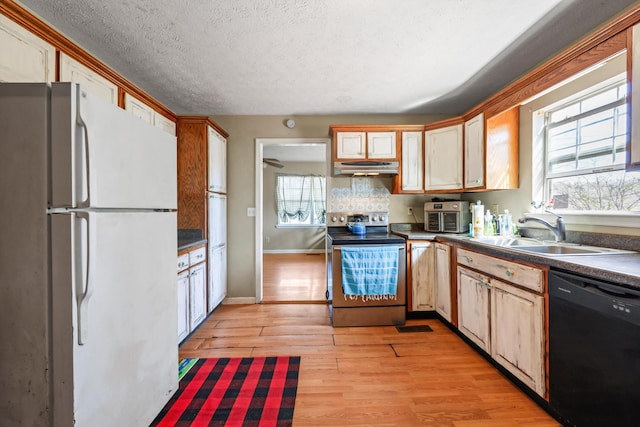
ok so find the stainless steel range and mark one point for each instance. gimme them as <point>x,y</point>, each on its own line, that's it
<point>369,307</point>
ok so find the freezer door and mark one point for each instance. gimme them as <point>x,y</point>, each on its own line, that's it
<point>104,157</point>
<point>114,311</point>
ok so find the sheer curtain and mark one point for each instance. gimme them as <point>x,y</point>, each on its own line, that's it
<point>297,196</point>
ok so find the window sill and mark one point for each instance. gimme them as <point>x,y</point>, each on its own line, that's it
<point>609,219</point>
<point>284,226</point>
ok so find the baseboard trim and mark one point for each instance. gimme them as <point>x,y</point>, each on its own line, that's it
<point>293,251</point>
<point>239,300</point>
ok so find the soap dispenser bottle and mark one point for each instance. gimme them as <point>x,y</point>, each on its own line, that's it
<point>488,224</point>
<point>478,219</point>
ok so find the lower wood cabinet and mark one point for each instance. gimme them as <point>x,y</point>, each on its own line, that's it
<point>443,280</point>
<point>192,290</point>
<point>421,276</point>
<point>504,319</point>
<point>473,307</point>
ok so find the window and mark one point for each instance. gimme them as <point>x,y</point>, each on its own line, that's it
<point>300,200</point>
<point>585,152</point>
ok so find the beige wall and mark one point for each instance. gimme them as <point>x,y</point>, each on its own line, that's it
<point>243,131</point>
<point>288,239</point>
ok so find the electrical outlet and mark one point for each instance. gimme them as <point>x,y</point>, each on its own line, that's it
<point>410,211</point>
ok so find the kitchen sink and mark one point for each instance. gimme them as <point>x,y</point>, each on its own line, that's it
<point>545,248</point>
<point>507,241</point>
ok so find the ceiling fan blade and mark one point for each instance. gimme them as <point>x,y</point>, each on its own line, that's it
<point>273,162</point>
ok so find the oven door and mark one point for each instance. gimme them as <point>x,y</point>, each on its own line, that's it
<point>451,222</point>
<point>432,221</point>
<point>338,298</point>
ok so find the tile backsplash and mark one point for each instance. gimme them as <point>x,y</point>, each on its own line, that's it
<point>364,195</point>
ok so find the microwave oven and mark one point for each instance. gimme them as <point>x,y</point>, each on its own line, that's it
<point>447,217</point>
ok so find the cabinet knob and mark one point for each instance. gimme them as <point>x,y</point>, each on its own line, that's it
<point>469,259</point>
<point>509,273</point>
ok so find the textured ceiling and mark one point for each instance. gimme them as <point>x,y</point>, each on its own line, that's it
<point>311,57</point>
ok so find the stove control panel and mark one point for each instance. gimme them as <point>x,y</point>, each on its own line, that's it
<point>341,219</point>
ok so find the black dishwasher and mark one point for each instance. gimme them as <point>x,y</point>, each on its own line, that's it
<point>594,351</point>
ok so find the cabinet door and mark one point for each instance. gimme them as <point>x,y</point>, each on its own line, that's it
<point>198,295</point>
<point>634,157</point>
<point>474,152</point>
<point>164,123</point>
<point>412,175</point>
<point>381,145</point>
<point>217,161</point>
<point>24,57</point>
<point>443,280</point>
<point>183,306</point>
<point>217,220</point>
<point>138,108</point>
<point>473,307</point>
<point>422,276</point>
<point>443,158</point>
<point>517,325</point>
<point>351,145</point>
<point>217,276</point>
<point>73,71</point>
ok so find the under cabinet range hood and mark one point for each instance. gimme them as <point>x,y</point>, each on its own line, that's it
<point>365,168</point>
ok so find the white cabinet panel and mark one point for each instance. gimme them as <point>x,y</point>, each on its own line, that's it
<point>517,327</point>
<point>443,158</point>
<point>381,145</point>
<point>138,108</point>
<point>183,305</point>
<point>164,123</point>
<point>422,276</point>
<point>217,220</point>
<point>198,295</point>
<point>474,152</point>
<point>412,176</point>
<point>24,57</point>
<point>443,280</point>
<point>217,276</point>
<point>73,71</point>
<point>217,161</point>
<point>351,145</point>
<point>473,307</point>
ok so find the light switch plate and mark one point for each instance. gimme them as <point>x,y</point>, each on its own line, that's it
<point>251,211</point>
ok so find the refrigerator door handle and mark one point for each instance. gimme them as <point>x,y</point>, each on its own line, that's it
<point>85,290</point>
<point>85,140</point>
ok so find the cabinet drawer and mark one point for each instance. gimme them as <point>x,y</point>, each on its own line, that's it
<point>197,256</point>
<point>525,276</point>
<point>183,262</point>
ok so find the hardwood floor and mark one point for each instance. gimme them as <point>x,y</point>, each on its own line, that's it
<point>294,278</point>
<point>369,376</point>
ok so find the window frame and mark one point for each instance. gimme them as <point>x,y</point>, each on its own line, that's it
<point>312,213</point>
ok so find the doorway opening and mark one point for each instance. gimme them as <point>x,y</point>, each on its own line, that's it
<point>290,260</point>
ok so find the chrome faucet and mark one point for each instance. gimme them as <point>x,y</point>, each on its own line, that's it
<point>558,230</point>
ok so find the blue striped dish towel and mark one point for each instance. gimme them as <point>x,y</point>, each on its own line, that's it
<point>370,272</point>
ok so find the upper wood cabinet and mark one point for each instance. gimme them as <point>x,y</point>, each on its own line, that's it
<point>144,112</point>
<point>443,157</point>
<point>633,76</point>
<point>217,161</point>
<point>491,149</point>
<point>361,142</point>
<point>73,71</point>
<point>474,152</point>
<point>502,150</point>
<point>411,177</point>
<point>194,170</point>
<point>24,57</point>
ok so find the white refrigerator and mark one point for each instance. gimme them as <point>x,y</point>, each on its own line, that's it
<point>88,241</point>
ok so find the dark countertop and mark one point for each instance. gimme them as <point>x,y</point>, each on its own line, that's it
<point>619,268</point>
<point>188,238</point>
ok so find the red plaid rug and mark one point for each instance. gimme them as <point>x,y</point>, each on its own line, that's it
<point>254,391</point>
